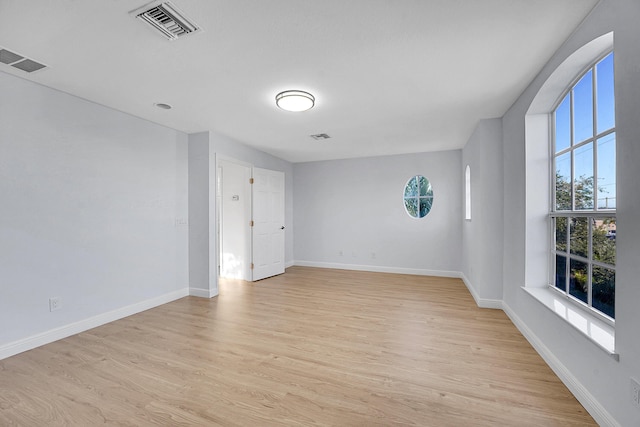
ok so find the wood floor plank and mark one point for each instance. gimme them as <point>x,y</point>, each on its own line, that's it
<point>309,347</point>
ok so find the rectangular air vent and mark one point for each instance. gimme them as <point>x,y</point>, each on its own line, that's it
<point>167,19</point>
<point>19,61</point>
<point>28,65</point>
<point>8,57</point>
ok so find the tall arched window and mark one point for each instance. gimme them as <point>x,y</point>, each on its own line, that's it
<point>583,188</point>
<point>467,193</point>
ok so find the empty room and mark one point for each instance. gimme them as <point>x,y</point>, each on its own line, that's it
<point>319,212</point>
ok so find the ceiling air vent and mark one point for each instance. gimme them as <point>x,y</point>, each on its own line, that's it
<point>19,61</point>
<point>166,18</point>
<point>320,136</point>
<point>8,57</point>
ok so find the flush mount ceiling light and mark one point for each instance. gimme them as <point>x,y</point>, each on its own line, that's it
<point>295,100</point>
<point>163,106</point>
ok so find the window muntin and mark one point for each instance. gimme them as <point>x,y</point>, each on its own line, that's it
<point>418,196</point>
<point>584,190</point>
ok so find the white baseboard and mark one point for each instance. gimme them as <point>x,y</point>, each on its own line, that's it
<point>289,264</point>
<point>481,302</point>
<point>61,332</point>
<point>202,293</point>
<point>597,411</point>
<point>378,269</point>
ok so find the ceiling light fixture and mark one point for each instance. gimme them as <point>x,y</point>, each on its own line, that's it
<point>295,100</point>
<point>163,106</point>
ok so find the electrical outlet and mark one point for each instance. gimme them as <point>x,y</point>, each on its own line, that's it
<point>55,303</point>
<point>635,393</point>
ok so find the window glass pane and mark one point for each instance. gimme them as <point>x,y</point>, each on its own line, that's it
<point>563,124</point>
<point>583,108</point>
<point>604,290</point>
<point>579,236</point>
<point>411,189</point>
<point>561,234</point>
<point>607,172</point>
<point>561,273</point>
<point>604,240</point>
<point>429,189</point>
<point>578,273</point>
<point>605,106</point>
<point>583,176</point>
<point>425,206</point>
<point>563,182</point>
<point>423,186</point>
<point>412,207</point>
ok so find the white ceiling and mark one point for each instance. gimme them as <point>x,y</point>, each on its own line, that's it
<point>389,76</point>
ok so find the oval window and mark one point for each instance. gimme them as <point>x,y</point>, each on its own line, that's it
<point>418,196</point>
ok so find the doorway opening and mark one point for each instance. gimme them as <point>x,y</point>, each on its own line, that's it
<point>250,227</point>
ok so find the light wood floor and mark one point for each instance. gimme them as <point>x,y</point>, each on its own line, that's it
<point>310,347</point>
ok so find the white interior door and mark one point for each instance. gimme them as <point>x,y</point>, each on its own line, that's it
<point>268,223</point>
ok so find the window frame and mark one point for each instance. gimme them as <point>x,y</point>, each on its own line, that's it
<point>591,214</point>
<point>417,197</point>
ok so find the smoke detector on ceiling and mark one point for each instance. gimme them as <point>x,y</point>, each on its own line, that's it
<point>167,19</point>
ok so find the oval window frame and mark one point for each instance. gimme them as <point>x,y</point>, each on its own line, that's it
<point>418,197</point>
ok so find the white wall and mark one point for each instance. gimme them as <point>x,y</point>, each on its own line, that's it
<point>201,255</point>
<point>482,236</point>
<point>89,199</point>
<point>106,211</point>
<point>590,369</point>
<point>356,206</point>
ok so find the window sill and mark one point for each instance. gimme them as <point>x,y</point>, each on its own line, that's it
<point>596,330</point>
